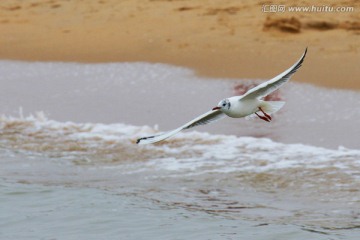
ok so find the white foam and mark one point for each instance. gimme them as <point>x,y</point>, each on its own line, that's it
<point>189,151</point>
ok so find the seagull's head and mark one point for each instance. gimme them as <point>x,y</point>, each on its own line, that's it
<point>223,105</point>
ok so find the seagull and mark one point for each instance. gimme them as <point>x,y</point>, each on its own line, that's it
<point>249,104</point>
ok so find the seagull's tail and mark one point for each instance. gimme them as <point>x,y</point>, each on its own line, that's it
<point>271,107</point>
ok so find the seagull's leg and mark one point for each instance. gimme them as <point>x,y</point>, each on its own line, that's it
<point>263,118</point>
<point>266,115</point>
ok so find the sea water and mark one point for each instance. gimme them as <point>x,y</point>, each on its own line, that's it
<point>70,168</point>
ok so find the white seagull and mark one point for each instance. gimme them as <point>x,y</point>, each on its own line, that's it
<point>251,103</point>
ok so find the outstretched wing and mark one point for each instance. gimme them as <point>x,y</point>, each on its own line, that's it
<point>273,84</point>
<point>206,118</point>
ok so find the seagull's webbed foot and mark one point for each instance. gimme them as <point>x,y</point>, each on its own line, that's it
<point>266,115</point>
<point>263,118</point>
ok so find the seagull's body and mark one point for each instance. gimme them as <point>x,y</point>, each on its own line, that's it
<point>241,108</point>
<point>249,104</point>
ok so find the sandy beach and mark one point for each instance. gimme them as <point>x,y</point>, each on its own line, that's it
<point>228,39</point>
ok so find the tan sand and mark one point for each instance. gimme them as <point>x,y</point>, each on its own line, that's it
<point>218,38</point>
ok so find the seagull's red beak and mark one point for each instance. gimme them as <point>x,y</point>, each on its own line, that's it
<point>216,108</point>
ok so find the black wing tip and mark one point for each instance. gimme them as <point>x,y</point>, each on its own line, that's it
<point>303,56</point>
<point>299,63</point>
<point>143,138</point>
<point>306,49</point>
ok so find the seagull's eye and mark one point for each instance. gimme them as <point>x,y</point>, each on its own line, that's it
<point>224,104</point>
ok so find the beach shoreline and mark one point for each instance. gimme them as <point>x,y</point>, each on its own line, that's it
<point>215,38</point>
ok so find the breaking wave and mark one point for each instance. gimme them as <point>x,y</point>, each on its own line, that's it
<point>190,152</point>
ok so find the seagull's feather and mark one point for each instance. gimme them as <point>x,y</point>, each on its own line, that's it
<point>206,118</point>
<point>273,84</point>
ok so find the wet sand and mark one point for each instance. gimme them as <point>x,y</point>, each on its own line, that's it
<point>230,39</point>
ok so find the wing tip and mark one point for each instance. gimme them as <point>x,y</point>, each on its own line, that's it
<point>297,65</point>
<point>303,56</point>
<point>306,49</point>
<point>139,140</point>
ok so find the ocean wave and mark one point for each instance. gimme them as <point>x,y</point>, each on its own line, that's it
<point>106,143</point>
<point>191,170</point>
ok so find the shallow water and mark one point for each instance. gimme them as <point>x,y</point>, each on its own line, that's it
<point>253,181</point>
<point>143,94</point>
<point>82,213</point>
